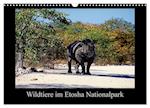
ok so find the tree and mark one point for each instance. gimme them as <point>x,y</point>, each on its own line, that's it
<point>34,28</point>
<point>121,36</point>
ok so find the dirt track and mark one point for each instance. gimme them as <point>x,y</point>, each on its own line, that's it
<point>103,77</point>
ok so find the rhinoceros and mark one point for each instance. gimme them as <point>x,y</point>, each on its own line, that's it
<point>81,52</point>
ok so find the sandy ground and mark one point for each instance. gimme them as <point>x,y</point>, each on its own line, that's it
<point>102,77</point>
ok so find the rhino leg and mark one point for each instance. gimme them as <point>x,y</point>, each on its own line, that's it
<point>69,65</point>
<point>77,68</point>
<point>83,68</point>
<point>88,67</point>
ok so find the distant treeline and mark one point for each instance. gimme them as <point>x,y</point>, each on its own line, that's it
<point>42,36</point>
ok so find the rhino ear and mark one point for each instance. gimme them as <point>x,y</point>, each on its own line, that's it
<point>94,41</point>
<point>86,41</point>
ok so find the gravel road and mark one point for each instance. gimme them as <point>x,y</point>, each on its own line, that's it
<point>102,77</point>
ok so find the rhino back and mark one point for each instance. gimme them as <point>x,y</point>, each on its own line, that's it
<point>71,49</point>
